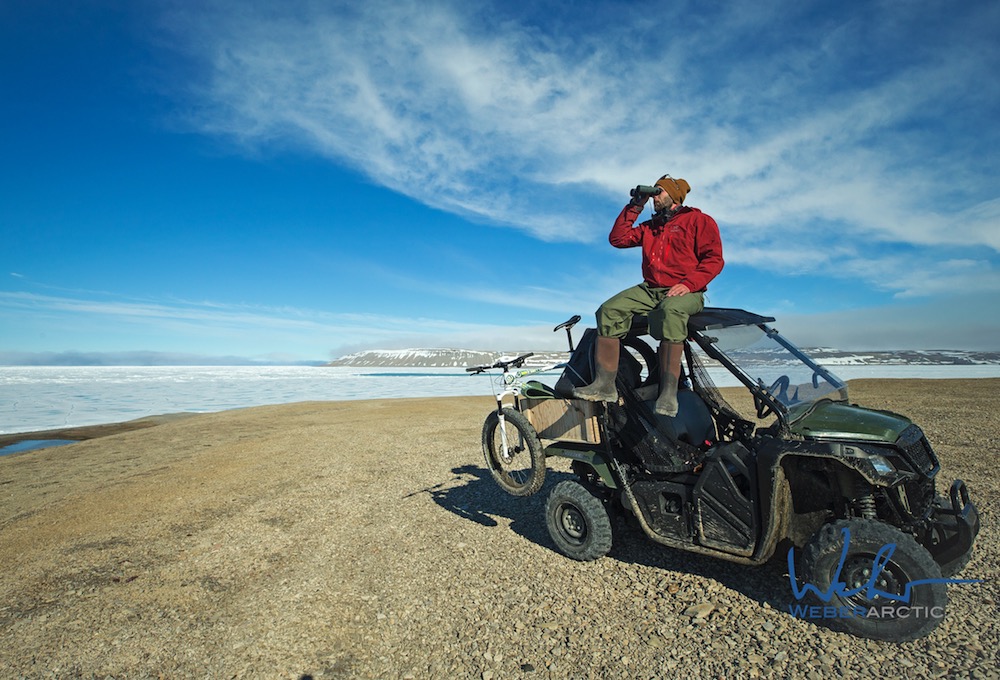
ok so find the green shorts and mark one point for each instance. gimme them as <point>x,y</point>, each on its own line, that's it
<point>668,316</point>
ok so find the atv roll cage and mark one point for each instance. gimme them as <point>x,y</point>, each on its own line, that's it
<point>763,360</point>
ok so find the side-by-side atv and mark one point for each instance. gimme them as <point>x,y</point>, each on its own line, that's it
<point>851,490</point>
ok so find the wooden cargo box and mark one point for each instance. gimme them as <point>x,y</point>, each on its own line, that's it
<point>567,419</point>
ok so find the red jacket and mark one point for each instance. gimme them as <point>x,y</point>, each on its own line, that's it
<point>687,249</point>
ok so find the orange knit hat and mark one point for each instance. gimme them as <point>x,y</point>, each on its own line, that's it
<point>677,189</point>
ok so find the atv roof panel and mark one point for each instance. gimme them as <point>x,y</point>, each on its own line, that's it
<point>722,317</point>
<point>707,319</point>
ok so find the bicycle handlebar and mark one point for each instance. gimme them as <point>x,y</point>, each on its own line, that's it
<point>504,365</point>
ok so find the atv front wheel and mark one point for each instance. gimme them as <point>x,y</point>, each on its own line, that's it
<point>514,456</point>
<point>578,522</point>
<point>876,587</point>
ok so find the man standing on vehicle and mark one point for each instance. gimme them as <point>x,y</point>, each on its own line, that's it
<point>681,254</point>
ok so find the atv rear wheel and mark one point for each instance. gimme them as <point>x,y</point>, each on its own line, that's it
<point>872,584</point>
<point>514,456</point>
<point>578,522</point>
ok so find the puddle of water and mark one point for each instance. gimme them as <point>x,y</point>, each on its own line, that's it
<point>34,444</point>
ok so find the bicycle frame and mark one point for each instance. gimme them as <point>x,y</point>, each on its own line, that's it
<point>503,453</point>
<point>509,384</point>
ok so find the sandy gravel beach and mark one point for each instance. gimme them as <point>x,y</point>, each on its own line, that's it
<point>365,539</point>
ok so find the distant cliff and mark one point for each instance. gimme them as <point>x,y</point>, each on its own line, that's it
<point>908,357</point>
<point>440,357</point>
<point>461,358</point>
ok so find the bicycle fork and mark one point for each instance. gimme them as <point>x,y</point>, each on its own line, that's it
<point>505,446</point>
<point>502,424</point>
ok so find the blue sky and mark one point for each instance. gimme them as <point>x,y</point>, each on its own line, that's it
<point>298,180</point>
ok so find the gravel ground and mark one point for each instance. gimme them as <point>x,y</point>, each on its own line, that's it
<point>366,539</point>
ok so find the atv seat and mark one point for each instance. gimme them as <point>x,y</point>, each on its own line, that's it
<point>693,423</point>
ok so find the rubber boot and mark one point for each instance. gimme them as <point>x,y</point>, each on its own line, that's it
<point>603,388</point>
<point>670,354</point>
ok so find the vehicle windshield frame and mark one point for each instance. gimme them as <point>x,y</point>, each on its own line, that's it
<point>783,399</point>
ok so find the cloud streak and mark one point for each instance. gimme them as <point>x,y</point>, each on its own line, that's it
<point>849,131</point>
<point>229,331</point>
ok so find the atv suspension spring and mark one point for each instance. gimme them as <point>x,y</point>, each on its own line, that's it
<point>866,506</point>
<point>863,498</point>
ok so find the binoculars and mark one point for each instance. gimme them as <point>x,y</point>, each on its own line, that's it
<point>643,192</point>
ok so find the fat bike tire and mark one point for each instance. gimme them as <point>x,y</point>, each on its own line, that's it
<point>520,469</point>
<point>869,612</point>
<point>578,522</point>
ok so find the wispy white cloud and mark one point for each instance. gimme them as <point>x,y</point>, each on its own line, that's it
<point>902,272</point>
<point>257,332</point>
<point>855,131</point>
<point>229,334</point>
<point>942,323</point>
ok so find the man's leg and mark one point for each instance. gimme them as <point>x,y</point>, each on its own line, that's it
<point>614,319</point>
<point>606,354</point>
<point>673,318</point>
<point>670,355</point>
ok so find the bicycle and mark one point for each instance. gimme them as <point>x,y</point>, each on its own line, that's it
<point>513,451</point>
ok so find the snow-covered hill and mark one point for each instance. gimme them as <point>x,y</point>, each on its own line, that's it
<point>462,358</point>
<point>910,357</point>
<point>441,357</point>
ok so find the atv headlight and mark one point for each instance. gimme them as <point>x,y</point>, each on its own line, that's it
<point>880,469</point>
<point>881,465</point>
<point>874,465</point>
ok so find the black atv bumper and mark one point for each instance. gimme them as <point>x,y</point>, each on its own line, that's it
<point>954,527</point>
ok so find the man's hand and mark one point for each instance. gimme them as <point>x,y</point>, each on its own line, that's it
<point>643,193</point>
<point>679,289</point>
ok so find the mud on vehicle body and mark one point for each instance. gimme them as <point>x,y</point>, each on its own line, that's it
<point>814,471</point>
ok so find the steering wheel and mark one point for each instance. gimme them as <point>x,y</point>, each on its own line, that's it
<point>780,388</point>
